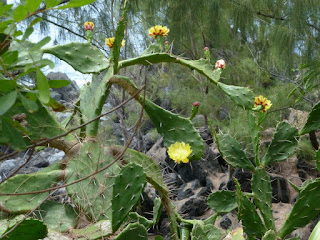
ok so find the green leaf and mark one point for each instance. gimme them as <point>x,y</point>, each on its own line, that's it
<point>43,87</point>
<point>315,235</point>
<point>241,96</point>
<point>57,107</point>
<point>33,5</point>
<point>28,104</point>
<point>22,231</point>
<point>318,160</point>
<point>15,139</point>
<point>157,208</point>
<point>231,151</point>
<point>7,101</point>
<point>52,3</point>
<point>283,144</point>
<point>135,217</point>
<point>7,85</point>
<point>27,33</point>
<point>313,121</point>
<point>222,201</point>
<point>57,216</point>
<point>76,3</point>
<point>41,43</point>
<point>20,13</point>
<point>9,57</point>
<point>59,83</point>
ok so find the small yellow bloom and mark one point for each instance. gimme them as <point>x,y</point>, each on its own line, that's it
<point>158,30</point>
<point>110,42</point>
<point>179,152</point>
<point>264,102</point>
<point>88,26</point>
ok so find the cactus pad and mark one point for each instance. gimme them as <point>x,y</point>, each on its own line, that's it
<point>135,217</point>
<point>270,235</point>
<point>241,96</point>
<point>231,151</point>
<point>151,169</point>
<point>94,194</point>
<point>83,57</point>
<point>283,144</point>
<point>252,223</point>
<point>133,231</point>
<point>174,128</point>
<point>222,201</point>
<point>304,210</point>
<point>22,231</point>
<point>57,216</point>
<point>128,186</point>
<point>96,231</point>
<point>23,183</point>
<point>262,191</point>
<point>92,99</point>
<point>201,231</point>
<point>313,122</point>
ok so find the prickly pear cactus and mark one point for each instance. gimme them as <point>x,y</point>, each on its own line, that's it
<point>94,194</point>
<point>222,201</point>
<point>231,151</point>
<point>22,231</point>
<point>247,213</point>
<point>201,231</point>
<point>133,231</point>
<point>241,96</point>
<point>24,183</point>
<point>83,57</point>
<point>283,144</point>
<point>270,235</point>
<point>304,210</point>
<point>262,191</point>
<point>92,99</point>
<point>128,186</point>
<point>313,122</point>
<point>95,231</point>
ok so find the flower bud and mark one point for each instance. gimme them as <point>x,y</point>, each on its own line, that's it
<point>166,46</point>
<point>88,26</point>
<point>220,64</point>
<point>196,104</point>
<point>207,53</point>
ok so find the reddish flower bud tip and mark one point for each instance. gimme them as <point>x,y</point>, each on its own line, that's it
<point>220,64</point>
<point>167,42</point>
<point>196,104</point>
<point>205,49</point>
<point>88,26</point>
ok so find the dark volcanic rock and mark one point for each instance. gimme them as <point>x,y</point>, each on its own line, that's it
<point>194,207</point>
<point>280,189</point>
<point>244,178</point>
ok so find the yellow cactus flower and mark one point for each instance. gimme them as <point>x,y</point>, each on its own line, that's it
<point>158,30</point>
<point>88,26</point>
<point>110,42</point>
<point>264,102</point>
<point>179,152</point>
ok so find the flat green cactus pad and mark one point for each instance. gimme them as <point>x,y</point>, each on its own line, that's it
<point>94,194</point>
<point>83,57</point>
<point>222,201</point>
<point>174,128</point>
<point>133,231</point>
<point>313,121</point>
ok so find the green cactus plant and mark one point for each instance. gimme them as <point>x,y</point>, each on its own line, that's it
<point>247,213</point>
<point>283,144</point>
<point>27,183</point>
<point>22,231</point>
<point>83,57</point>
<point>57,216</point>
<point>304,210</point>
<point>128,186</point>
<point>135,217</point>
<point>270,235</point>
<point>133,231</point>
<point>313,122</point>
<point>94,194</point>
<point>262,191</point>
<point>222,201</point>
<point>232,152</point>
<point>95,231</point>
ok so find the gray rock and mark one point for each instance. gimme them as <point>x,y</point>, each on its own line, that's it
<point>225,222</point>
<point>55,95</point>
<point>185,192</point>
<point>194,207</point>
<point>280,189</point>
